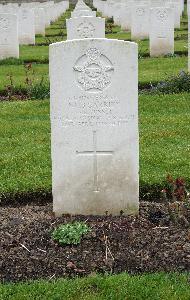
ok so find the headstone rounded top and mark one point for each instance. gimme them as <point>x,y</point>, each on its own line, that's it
<point>89,40</point>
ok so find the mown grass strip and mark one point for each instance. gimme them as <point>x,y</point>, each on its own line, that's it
<point>158,286</point>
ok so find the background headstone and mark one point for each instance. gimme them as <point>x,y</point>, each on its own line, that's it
<point>177,14</point>
<point>81,13</point>
<point>161,31</point>
<point>125,17</point>
<point>40,21</point>
<point>85,27</point>
<point>26,26</point>
<point>9,46</point>
<point>140,23</point>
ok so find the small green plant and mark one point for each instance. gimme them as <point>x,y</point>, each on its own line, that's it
<point>71,233</point>
<point>39,89</point>
<point>33,88</point>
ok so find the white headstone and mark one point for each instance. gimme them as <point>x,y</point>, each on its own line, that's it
<point>9,9</point>
<point>125,17</point>
<point>140,23</point>
<point>12,5</point>
<point>117,14</point>
<point>142,2</point>
<point>9,46</point>
<point>102,9</point>
<point>94,126</point>
<point>157,3</point>
<point>48,9</point>
<point>40,21</point>
<point>82,7</point>
<point>177,13</point>
<point>161,31</point>
<point>110,8</point>
<point>26,26</point>
<point>182,5</point>
<point>85,27</point>
<point>188,8</point>
<point>28,5</point>
<point>83,13</point>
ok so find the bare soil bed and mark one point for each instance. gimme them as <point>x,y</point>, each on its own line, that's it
<point>151,242</point>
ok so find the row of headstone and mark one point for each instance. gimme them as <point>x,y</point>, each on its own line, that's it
<point>110,8</point>
<point>153,19</point>
<point>19,24</point>
<point>84,23</point>
<point>94,120</point>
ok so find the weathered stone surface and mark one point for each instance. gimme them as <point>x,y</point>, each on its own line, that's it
<point>26,26</point>
<point>125,17</point>
<point>94,126</point>
<point>177,13</point>
<point>140,23</point>
<point>40,21</point>
<point>161,31</point>
<point>81,13</point>
<point>85,27</point>
<point>9,9</point>
<point>9,46</point>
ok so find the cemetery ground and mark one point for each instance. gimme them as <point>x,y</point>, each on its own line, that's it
<point>156,240</point>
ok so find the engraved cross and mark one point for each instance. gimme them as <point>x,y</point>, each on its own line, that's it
<point>94,153</point>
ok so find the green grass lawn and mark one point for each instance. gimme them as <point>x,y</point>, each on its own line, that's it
<point>25,142</point>
<point>118,287</point>
<point>25,146</point>
<point>38,54</point>
<point>154,70</point>
<point>164,137</point>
